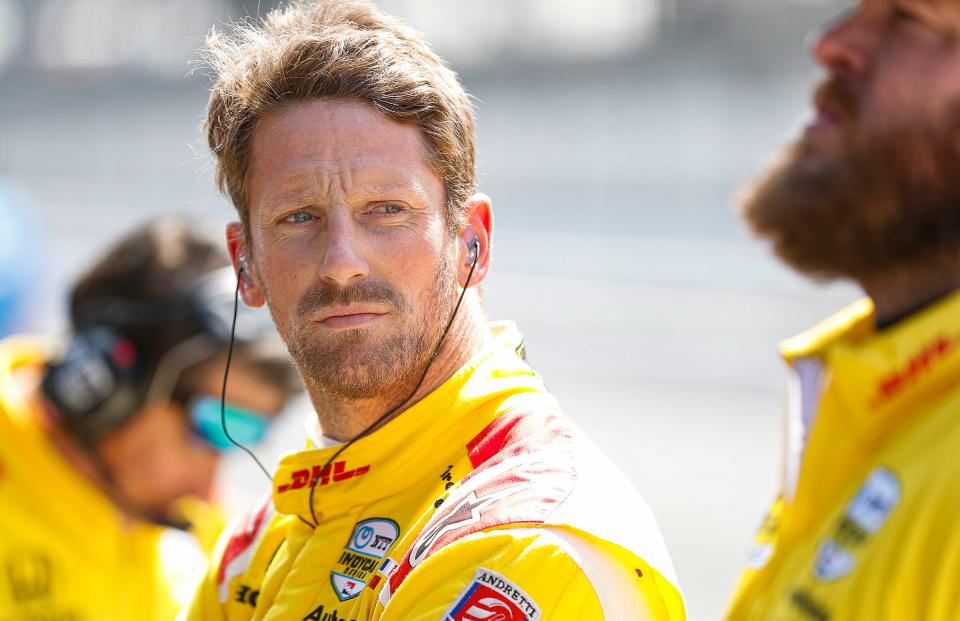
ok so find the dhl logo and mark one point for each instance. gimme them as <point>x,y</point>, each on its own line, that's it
<point>933,353</point>
<point>326,476</point>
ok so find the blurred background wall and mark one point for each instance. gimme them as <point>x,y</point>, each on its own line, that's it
<point>613,137</point>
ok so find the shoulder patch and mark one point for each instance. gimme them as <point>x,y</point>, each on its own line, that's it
<point>243,542</point>
<point>524,464</point>
<point>358,564</point>
<point>491,596</point>
<point>531,423</point>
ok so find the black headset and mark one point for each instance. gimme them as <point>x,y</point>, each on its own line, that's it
<point>105,377</point>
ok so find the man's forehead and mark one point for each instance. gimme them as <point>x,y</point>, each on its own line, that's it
<point>344,141</point>
<point>332,129</point>
<point>365,175</point>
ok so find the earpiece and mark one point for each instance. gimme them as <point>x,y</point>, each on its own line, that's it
<point>244,272</point>
<point>473,250</point>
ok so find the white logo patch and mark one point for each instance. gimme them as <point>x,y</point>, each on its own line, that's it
<point>345,586</point>
<point>866,514</point>
<point>492,597</point>
<point>759,555</point>
<point>833,562</point>
<point>876,500</point>
<point>374,537</point>
<point>370,541</point>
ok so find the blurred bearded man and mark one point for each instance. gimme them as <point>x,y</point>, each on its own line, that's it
<point>868,522</point>
<point>440,480</point>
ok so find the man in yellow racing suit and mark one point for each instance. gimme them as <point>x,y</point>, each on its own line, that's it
<point>67,551</point>
<point>866,526</point>
<point>481,497</point>
<point>445,483</point>
<point>94,467</point>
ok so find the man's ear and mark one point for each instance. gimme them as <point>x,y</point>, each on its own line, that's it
<point>243,266</point>
<point>475,240</point>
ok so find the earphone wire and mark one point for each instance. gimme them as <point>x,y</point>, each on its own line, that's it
<point>370,428</point>
<point>226,374</point>
<point>376,424</point>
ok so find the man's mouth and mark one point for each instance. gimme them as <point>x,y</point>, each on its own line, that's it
<point>825,132</point>
<point>833,105</point>
<point>825,115</point>
<point>347,317</point>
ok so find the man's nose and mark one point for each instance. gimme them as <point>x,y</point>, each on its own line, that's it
<point>343,257</point>
<point>843,46</point>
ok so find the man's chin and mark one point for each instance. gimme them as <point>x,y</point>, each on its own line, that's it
<point>354,370</point>
<point>795,206</point>
<point>163,514</point>
<point>825,137</point>
<point>356,381</point>
<point>815,156</point>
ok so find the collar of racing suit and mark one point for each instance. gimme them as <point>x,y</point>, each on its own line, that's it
<point>860,386</point>
<point>402,452</point>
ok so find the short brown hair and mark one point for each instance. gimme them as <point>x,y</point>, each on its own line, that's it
<point>157,261</point>
<point>344,49</point>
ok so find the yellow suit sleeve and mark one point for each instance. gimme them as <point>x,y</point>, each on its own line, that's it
<point>229,590</point>
<point>942,600</point>
<point>205,605</point>
<point>543,573</point>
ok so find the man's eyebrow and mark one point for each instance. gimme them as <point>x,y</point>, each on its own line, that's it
<point>933,4</point>
<point>367,190</point>
<point>287,196</point>
<point>402,187</point>
<point>932,8</point>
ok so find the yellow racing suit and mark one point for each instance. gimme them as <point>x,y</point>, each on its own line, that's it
<point>66,552</point>
<point>868,522</point>
<point>481,501</point>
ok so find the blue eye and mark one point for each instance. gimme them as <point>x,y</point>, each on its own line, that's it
<point>299,217</point>
<point>390,208</point>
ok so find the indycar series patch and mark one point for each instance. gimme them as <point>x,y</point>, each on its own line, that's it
<point>361,557</point>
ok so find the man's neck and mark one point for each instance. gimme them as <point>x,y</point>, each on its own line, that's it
<point>343,419</point>
<point>903,292</point>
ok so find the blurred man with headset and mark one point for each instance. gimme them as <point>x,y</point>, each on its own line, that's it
<point>868,522</point>
<point>119,434</point>
<point>441,480</point>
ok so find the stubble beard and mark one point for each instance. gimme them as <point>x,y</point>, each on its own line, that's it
<point>890,201</point>
<point>358,364</point>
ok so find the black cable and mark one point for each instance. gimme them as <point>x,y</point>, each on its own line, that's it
<point>223,390</point>
<point>373,426</point>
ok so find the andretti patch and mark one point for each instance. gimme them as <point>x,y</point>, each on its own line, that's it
<point>492,597</point>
